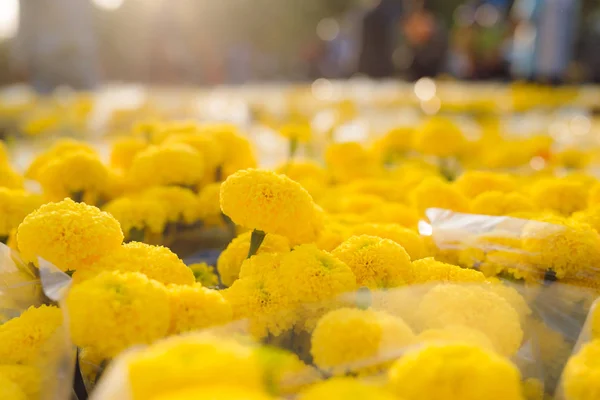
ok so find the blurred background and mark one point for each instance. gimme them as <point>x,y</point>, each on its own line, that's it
<point>83,43</point>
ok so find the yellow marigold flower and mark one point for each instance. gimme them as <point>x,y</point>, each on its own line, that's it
<point>26,339</point>
<point>350,161</point>
<point>60,149</point>
<point>354,203</point>
<point>283,372</point>
<point>410,240</point>
<point>169,164</point>
<point>512,296</point>
<point>180,203</point>
<point>332,235</point>
<point>454,371</point>
<point>559,195</point>
<point>394,213</point>
<point>456,334</point>
<point>9,178</point>
<point>115,310</point>
<point>9,390</point>
<point>194,307</point>
<point>138,214</point>
<point>231,259</point>
<point>14,207</point>
<point>296,131</point>
<point>272,203</point>
<point>590,216</point>
<point>376,262</point>
<point>568,248</point>
<point>430,270</point>
<point>474,307</point>
<point>434,193</point>
<point>214,392</point>
<point>474,183</point>
<point>156,262</point>
<point>209,207</point>
<point>438,137</point>
<point>70,235</point>
<point>352,340</point>
<point>192,361</point>
<point>124,151</point>
<point>238,153</point>
<point>580,377</point>
<point>210,149</point>
<point>401,302</point>
<point>500,204</point>
<point>344,389</point>
<point>312,176</point>
<point>205,274</point>
<point>28,378</point>
<point>394,144</point>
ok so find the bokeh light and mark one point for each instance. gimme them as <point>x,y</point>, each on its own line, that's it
<point>9,18</point>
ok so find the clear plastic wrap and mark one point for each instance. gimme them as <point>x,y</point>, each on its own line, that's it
<point>36,353</point>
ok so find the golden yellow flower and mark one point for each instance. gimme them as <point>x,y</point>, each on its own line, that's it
<point>590,216</point>
<point>474,183</point>
<point>353,340</point>
<point>410,240</point>
<point>376,262</point>
<point>124,151</point>
<point>394,213</point>
<point>454,371</point>
<point>434,193</point>
<point>350,161</point>
<point>14,207</point>
<point>393,146</point>
<point>181,204</point>
<point>115,310</point>
<point>456,334</point>
<point>237,150</point>
<point>231,259</point>
<point>559,195</point>
<point>429,270</point>
<point>344,389</point>
<point>28,378</point>
<point>501,204</point>
<point>70,235</point>
<point>169,164</point>
<point>205,274</point>
<point>209,207</point>
<point>138,214</point>
<point>60,149</point>
<point>283,372</point>
<point>194,307</point>
<point>300,132</point>
<point>208,146</point>
<point>312,176</point>
<point>438,137</point>
<point>580,377</point>
<point>265,201</point>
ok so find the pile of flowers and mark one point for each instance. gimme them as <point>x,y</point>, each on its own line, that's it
<point>421,263</point>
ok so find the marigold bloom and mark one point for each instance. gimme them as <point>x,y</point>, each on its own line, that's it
<point>438,137</point>
<point>181,204</point>
<point>500,204</point>
<point>434,193</point>
<point>350,161</point>
<point>344,389</point>
<point>70,235</point>
<point>115,310</point>
<point>138,214</point>
<point>209,147</point>
<point>60,149</point>
<point>169,164</point>
<point>25,339</point>
<point>28,378</point>
<point>580,377</point>
<point>231,259</point>
<point>296,131</point>
<point>354,340</point>
<point>209,207</point>
<point>430,270</point>
<point>590,216</point>
<point>124,151</point>
<point>312,176</point>
<point>474,183</point>
<point>376,262</point>
<point>559,195</point>
<point>454,371</point>
<point>410,240</point>
<point>194,307</point>
<point>192,361</point>
<point>394,213</point>
<point>205,274</point>
<point>394,144</point>
<point>238,153</point>
<point>456,334</point>
<point>283,372</point>
<point>156,262</point>
<point>332,235</point>
<point>272,203</point>
<point>14,207</point>
<point>9,178</point>
<point>474,307</point>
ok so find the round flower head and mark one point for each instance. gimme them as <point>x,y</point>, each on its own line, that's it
<point>138,215</point>
<point>124,151</point>
<point>393,145</point>
<point>9,178</point>
<point>156,262</point>
<point>115,310</point>
<point>581,377</point>
<point>512,296</point>
<point>212,392</point>
<point>430,270</point>
<point>272,203</point>
<point>474,183</point>
<point>376,262</point>
<point>333,234</point>
<point>238,153</point>
<point>312,176</point>
<point>410,240</point>
<point>25,339</point>
<point>194,307</point>
<point>438,137</point>
<point>231,259</point>
<point>70,235</point>
<point>559,195</point>
<point>474,307</point>
<point>181,204</point>
<point>207,146</point>
<point>28,378</point>
<point>353,340</point>
<point>60,149</point>
<point>500,204</point>
<point>394,213</point>
<point>192,361</point>
<point>350,161</point>
<point>205,275</point>
<point>14,207</point>
<point>434,193</point>
<point>456,334</point>
<point>169,164</point>
<point>209,207</point>
<point>590,216</point>
<point>568,248</point>
<point>344,389</point>
<point>10,390</point>
<point>454,371</point>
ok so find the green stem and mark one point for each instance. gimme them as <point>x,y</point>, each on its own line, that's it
<point>256,240</point>
<point>293,148</point>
